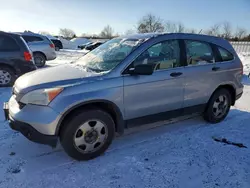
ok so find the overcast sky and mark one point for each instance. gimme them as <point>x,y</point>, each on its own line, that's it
<point>90,16</point>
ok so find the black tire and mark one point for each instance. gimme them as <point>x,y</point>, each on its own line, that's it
<point>39,59</point>
<point>69,129</point>
<point>57,48</point>
<point>11,74</point>
<point>209,115</point>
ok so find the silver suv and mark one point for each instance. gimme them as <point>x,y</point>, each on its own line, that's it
<point>42,47</point>
<point>123,83</point>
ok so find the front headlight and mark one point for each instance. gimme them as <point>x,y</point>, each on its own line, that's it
<point>41,96</point>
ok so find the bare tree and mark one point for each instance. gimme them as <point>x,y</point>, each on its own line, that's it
<point>227,30</point>
<point>129,32</point>
<point>191,30</point>
<point>44,33</point>
<point>150,23</point>
<point>170,27</point>
<point>107,32</point>
<point>214,30</point>
<point>85,35</point>
<point>67,33</point>
<point>180,28</point>
<point>240,33</point>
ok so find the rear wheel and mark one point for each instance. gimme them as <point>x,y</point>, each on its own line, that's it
<point>88,134</point>
<point>7,77</point>
<point>39,59</point>
<point>218,106</point>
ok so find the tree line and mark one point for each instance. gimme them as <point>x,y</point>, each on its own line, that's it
<point>151,23</point>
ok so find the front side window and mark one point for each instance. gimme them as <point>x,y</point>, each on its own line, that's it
<point>163,55</point>
<point>225,55</point>
<point>8,44</point>
<point>198,53</point>
<point>108,55</point>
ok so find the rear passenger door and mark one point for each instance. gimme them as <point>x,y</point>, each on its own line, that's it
<point>200,72</point>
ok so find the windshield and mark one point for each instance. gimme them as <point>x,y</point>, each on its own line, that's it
<point>108,55</point>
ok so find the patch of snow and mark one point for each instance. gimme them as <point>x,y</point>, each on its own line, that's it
<point>181,154</point>
<point>67,44</point>
<point>245,58</point>
<point>80,41</point>
<point>66,56</point>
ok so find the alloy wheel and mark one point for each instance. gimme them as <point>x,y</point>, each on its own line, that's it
<point>5,77</point>
<point>220,106</point>
<point>39,61</point>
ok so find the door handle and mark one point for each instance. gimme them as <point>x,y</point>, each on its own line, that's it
<point>175,74</point>
<point>215,68</point>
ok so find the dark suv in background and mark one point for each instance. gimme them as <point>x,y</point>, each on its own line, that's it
<point>15,58</point>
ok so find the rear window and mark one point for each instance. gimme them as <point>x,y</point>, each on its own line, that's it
<point>48,39</point>
<point>8,44</point>
<point>24,42</point>
<point>32,38</point>
<point>225,55</point>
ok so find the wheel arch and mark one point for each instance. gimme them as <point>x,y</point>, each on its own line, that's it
<point>39,52</point>
<point>8,66</point>
<point>230,88</point>
<point>105,105</point>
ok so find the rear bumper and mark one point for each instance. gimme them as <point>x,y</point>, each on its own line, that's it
<point>51,55</point>
<point>28,131</point>
<point>25,68</point>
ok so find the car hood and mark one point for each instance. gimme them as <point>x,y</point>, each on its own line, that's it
<point>52,77</point>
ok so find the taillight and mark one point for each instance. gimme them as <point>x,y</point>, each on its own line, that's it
<point>241,66</point>
<point>27,56</point>
<point>52,45</point>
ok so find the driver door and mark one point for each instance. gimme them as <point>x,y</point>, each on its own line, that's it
<point>163,90</point>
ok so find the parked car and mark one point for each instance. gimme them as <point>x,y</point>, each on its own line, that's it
<point>43,49</point>
<point>15,58</point>
<point>93,45</point>
<point>58,44</point>
<point>82,46</point>
<point>125,82</point>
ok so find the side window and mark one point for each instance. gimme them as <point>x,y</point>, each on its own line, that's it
<point>32,38</point>
<point>163,55</point>
<point>8,44</point>
<point>198,53</point>
<point>225,55</point>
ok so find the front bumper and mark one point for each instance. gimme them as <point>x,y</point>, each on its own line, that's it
<point>238,96</point>
<point>42,118</point>
<point>28,131</point>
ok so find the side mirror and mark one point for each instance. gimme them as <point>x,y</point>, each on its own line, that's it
<point>142,69</point>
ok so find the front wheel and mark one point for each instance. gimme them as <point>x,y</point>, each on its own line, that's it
<point>88,134</point>
<point>218,106</point>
